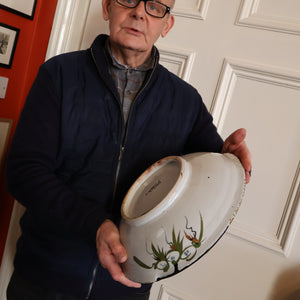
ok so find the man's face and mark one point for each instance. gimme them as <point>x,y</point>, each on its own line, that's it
<point>132,28</point>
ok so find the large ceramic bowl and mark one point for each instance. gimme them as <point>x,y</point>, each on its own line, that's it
<point>177,210</point>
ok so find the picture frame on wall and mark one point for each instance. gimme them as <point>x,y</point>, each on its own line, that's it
<point>24,8</point>
<point>8,42</point>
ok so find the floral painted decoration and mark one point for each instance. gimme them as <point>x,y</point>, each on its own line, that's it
<point>164,259</point>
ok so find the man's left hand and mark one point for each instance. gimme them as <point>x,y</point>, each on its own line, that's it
<point>236,145</point>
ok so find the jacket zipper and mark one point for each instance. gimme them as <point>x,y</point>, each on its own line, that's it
<point>122,148</point>
<point>124,134</point>
<point>124,126</point>
<point>92,282</point>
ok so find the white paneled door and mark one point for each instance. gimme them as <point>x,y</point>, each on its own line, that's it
<point>247,68</point>
<point>243,56</point>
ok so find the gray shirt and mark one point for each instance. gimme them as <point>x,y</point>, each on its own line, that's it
<point>128,80</point>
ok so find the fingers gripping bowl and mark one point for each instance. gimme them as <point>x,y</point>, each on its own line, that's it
<point>177,210</point>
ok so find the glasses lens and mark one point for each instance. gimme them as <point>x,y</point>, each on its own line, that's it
<point>155,9</point>
<point>128,3</point>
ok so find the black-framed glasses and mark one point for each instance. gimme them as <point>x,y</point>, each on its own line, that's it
<point>153,8</point>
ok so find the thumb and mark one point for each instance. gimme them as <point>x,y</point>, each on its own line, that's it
<point>118,251</point>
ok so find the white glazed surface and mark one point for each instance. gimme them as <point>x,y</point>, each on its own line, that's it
<point>164,238</point>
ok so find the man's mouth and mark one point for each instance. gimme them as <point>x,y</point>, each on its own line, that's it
<point>133,30</point>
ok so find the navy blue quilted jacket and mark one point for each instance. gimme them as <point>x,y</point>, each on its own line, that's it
<point>72,160</point>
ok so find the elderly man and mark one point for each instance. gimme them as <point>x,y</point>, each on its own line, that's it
<point>92,122</point>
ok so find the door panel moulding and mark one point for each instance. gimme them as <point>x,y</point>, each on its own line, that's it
<point>167,293</point>
<point>291,216</point>
<point>180,60</point>
<point>232,69</point>
<point>198,11</point>
<point>249,16</point>
<point>282,241</point>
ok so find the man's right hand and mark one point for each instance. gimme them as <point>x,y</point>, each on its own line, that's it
<point>112,253</point>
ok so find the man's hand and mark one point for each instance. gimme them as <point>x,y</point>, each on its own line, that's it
<point>236,145</point>
<point>112,253</point>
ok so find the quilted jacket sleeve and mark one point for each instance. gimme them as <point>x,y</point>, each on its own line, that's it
<point>31,162</point>
<point>204,136</point>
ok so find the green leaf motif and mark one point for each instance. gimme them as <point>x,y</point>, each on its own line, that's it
<point>176,242</point>
<point>139,262</point>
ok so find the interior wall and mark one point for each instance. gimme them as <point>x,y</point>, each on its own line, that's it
<point>29,55</point>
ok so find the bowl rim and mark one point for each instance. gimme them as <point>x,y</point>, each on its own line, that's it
<point>167,201</point>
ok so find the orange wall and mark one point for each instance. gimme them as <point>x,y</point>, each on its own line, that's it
<point>29,55</point>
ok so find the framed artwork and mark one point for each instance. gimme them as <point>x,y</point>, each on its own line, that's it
<point>5,126</point>
<point>8,42</point>
<point>24,8</point>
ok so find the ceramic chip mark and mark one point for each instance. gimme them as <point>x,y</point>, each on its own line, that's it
<point>175,252</point>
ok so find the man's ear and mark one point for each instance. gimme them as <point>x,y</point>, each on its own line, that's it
<point>169,24</point>
<point>106,9</point>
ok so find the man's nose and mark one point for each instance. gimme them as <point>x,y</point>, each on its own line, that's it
<point>139,11</point>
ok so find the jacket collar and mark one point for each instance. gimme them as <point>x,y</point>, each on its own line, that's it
<point>98,50</point>
<point>102,63</point>
<point>100,58</point>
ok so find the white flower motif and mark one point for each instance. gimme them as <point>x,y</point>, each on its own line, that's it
<point>161,265</point>
<point>173,256</point>
<point>188,252</point>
